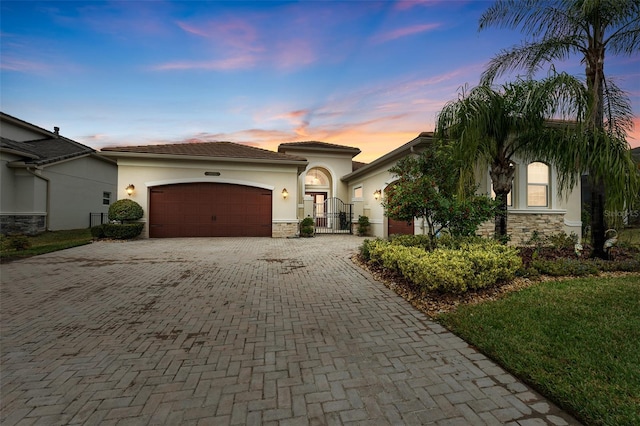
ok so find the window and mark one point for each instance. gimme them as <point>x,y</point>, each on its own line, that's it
<point>106,198</point>
<point>316,177</point>
<point>358,192</point>
<point>537,185</point>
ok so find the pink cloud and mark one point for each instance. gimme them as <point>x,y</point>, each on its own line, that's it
<point>241,62</point>
<point>235,33</point>
<point>404,32</point>
<point>23,65</point>
<point>410,4</point>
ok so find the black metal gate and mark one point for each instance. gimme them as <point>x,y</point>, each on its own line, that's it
<point>333,216</point>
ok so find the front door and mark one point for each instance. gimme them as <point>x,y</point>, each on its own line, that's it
<point>319,208</point>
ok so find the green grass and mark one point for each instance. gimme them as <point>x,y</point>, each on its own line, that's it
<point>575,341</point>
<point>630,236</point>
<point>45,243</point>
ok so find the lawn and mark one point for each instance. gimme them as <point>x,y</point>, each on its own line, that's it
<point>576,341</point>
<point>45,243</point>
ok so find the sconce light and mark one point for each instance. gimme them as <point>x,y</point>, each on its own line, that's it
<point>130,189</point>
<point>285,193</point>
<point>377,194</point>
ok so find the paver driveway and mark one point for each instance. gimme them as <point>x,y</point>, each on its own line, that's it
<point>235,331</point>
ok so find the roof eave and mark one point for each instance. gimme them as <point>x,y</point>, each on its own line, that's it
<point>144,155</point>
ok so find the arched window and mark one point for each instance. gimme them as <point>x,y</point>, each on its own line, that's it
<point>316,177</point>
<point>537,185</point>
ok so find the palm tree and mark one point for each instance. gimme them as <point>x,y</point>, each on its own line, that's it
<point>587,28</point>
<point>492,125</point>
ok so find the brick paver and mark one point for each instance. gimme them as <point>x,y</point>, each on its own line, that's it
<point>253,331</point>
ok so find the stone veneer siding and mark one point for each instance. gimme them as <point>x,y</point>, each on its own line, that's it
<point>284,230</point>
<point>22,224</point>
<point>520,226</point>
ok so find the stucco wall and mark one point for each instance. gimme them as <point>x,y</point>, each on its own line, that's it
<point>76,190</point>
<point>146,173</point>
<point>23,200</point>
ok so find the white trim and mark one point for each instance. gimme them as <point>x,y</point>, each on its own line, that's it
<point>536,211</point>
<point>376,221</point>
<point>577,223</point>
<point>209,179</point>
<point>285,221</point>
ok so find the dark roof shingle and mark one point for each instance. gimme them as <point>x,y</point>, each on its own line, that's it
<point>207,149</point>
<point>46,151</point>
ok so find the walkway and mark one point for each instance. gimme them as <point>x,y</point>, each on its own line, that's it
<point>219,331</point>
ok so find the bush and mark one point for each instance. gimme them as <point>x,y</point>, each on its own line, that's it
<point>122,231</point>
<point>306,227</point>
<point>19,242</point>
<point>566,267</point>
<point>471,266</point>
<point>364,250</point>
<point>125,210</point>
<point>363,226</point>
<point>97,232</point>
<point>423,241</point>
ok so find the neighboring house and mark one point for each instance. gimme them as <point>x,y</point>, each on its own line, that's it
<point>229,189</point>
<point>49,182</point>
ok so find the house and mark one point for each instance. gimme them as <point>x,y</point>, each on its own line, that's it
<point>49,182</point>
<point>230,189</point>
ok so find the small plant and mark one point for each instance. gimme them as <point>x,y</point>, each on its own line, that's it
<point>363,226</point>
<point>306,227</point>
<point>19,242</point>
<point>125,210</point>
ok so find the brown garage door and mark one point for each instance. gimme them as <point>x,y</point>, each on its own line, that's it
<point>400,227</point>
<point>209,210</point>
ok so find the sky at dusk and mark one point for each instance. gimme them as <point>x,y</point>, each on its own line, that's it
<point>360,73</point>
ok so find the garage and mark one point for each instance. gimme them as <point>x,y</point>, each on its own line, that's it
<point>396,227</point>
<point>209,210</point>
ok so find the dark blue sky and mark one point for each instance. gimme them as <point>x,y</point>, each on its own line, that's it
<point>360,73</point>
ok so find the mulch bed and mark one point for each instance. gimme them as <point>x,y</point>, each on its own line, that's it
<point>434,303</point>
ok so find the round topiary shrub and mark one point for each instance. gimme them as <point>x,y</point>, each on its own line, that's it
<point>124,210</point>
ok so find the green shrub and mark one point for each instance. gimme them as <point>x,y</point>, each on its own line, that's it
<point>306,227</point>
<point>97,232</point>
<point>423,241</point>
<point>122,231</point>
<point>364,250</point>
<point>19,242</point>
<point>125,210</point>
<point>566,267</point>
<point>471,266</point>
<point>363,226</point>
<point>562,241</point>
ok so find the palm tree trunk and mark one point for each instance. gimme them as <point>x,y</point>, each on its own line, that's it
<point>500,221</point>
<point>597,220</point>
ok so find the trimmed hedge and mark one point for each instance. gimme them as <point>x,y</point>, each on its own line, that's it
<point>97,232</point>
<point>472,266</point>
<point>122,231</point>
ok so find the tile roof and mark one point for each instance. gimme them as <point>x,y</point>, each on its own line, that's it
<point>48,150</point>
<point>316,145</point>
<point>207,149</point>
<point>355,165</point>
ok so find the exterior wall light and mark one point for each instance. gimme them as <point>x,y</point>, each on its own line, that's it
<point>377,194</point>
<point>130,189</point>
<point>285,193</point>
